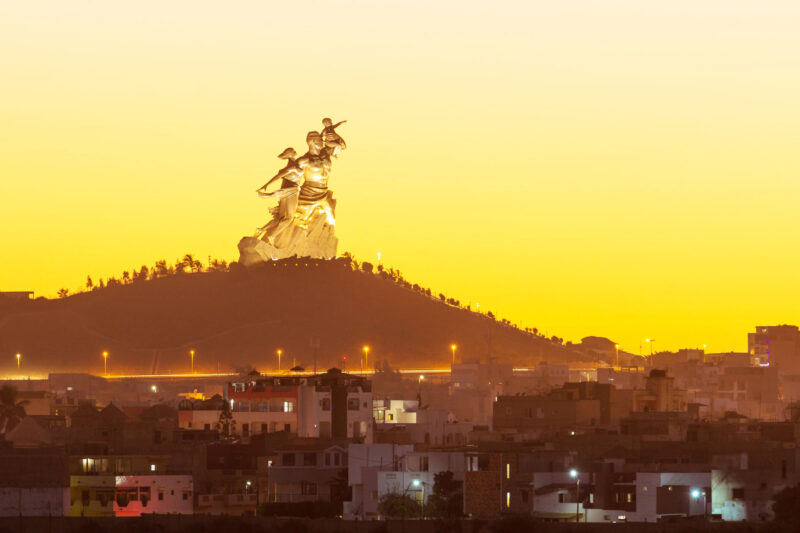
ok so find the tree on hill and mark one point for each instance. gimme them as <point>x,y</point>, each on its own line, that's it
<point>160,270</point>
<point>143,274</point>
<point>89,283</point>
<point>126,277</point>
<point>63,293</point>
<point>218,266</point>
<point>11,411</point>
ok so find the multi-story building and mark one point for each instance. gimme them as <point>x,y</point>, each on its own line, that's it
<point>776,346</point>
<point>311,471</point>
<point>330,405</point>
<point>364,463</point>
<point>570,408</point>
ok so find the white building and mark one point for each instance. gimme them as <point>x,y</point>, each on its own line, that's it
<point>364,462</point>
<point>327,405</point>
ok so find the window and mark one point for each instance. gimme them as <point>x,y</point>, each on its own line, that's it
<point>508,499</point>
<point>287,459</point>
<point>93,466</point>
<point>628,497</point>
<point>287,428</point>
<point>263,428</point>
<point>508,470</point>
<point>309,459</point>
<point>186,495</point>
<point>524,496</point>
<point>352,404</point>
<point>160,495</point>
<point>288,407</point>
<point>738,494</point>
<point>308,489</point>
<point>325,404</point>
<point>336,459</point>
<point>245,430</point>
<point>327,459</point>
<point>207,427</point>
<point>562,498</point>
<point>478,463</point>
<point>152,468</point>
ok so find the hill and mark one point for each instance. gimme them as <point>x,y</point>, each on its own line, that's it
<point>307,308</point>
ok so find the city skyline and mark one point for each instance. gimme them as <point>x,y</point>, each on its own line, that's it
<point>613,170</point>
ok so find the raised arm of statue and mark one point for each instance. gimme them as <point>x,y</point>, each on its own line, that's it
<point>290,172</point>
<point>332,140</point>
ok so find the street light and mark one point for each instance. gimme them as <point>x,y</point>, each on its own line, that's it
<point>417,484</point>
<point>650,342</point>
<point>279,360</point>
<point>696,493</point>
<point>616,347</point>
<point>574,474</point>
<point>453,349</point>
<point>191,353</point>
<point>366,357</point>
<point>19,356</point>
<point>105,363</point>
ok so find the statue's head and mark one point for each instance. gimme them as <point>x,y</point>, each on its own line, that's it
<point>314,140</point>
<point>289,153</point>
<point>327,122</point>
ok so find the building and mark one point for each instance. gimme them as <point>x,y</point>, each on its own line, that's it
<point>310,471</point>
<point>573,407</point>
<point>648,494</point>
<point>777,346</point>
<point>330,405</point>
<point>364,463</point>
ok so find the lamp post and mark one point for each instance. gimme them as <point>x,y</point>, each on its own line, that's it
<point>696,493</point>
<point>366,357</point>
<point>453,349</point>
<point>417,484</point>
<point>574,474</point>
<point>650,342</point>
<point>279,360</point>
<point>616,348</point>
<point>191,353</point>
<point>105,363</point>
<point>19,357</point>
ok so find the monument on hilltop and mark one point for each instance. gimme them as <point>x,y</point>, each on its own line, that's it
<point>303,222</point>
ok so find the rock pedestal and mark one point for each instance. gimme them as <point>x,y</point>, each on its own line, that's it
<point>318,242</point>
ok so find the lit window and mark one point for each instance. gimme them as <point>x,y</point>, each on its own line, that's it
<point>508,499</point>
<point>508,470</point>
<point>152,468</point>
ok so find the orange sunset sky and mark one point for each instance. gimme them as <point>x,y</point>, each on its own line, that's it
<point>621,168</point>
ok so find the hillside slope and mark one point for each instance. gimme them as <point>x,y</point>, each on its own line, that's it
<point>232,319</point>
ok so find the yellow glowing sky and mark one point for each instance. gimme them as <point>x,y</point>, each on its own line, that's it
<point>626,169</point>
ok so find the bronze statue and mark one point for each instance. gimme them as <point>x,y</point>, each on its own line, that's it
<point>287,195</point>
<point>303,221</point>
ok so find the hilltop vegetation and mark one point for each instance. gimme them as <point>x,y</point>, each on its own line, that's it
<point>234,316</point>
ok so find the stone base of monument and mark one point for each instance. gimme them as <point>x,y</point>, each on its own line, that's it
<point>318,242</point>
